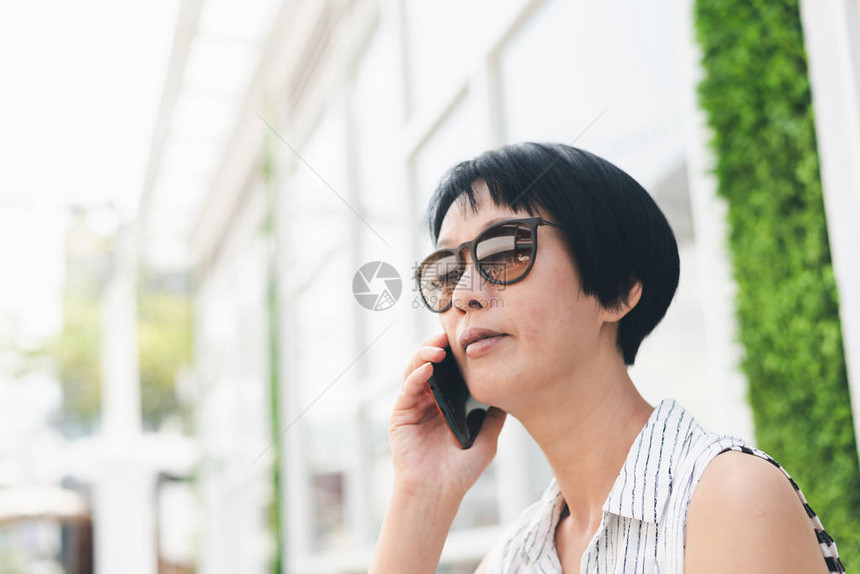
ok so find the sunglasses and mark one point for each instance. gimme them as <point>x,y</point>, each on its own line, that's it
<point>503,253</point>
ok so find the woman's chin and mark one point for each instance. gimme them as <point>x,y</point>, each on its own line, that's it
<point>489,392</point>
<point>494,384</point>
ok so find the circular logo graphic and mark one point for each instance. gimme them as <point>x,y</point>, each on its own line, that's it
<point>376,286</point>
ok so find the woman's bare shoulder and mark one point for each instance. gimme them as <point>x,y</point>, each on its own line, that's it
<point>745,516</point>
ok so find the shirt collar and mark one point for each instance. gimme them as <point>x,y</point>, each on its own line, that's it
<point>639,493</point>
<point>642,497</point>
<point>543,523</point>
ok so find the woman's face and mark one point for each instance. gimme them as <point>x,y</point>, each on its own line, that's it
<point>551,331</point>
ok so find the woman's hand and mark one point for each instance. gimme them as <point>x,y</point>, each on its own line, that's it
<point>431,472</point>
<point>427,458</point>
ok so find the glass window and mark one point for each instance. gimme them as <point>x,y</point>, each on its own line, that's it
<point>316,271</point>
<point>313,215</point>
<point>455,140</point>
<point>539,472</point>
<point>382,199</point>
<point>329,490</point>
<point>574,60</point>
<point>377,126</point>
<point>479,507</point>
<point>232,346</point>
<point>315,262</point>
<point>324,340</point>
<point>678,348</point>
<point>381,471</point>
<point>439,36</point>
<point>561,70</point>
<point>232,354</point>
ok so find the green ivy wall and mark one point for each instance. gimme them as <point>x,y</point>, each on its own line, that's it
<point>756,95</point>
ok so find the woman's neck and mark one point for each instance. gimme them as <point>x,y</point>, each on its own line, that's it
<point>585,427</point>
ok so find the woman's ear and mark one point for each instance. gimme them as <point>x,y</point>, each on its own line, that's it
<point>617,312</point>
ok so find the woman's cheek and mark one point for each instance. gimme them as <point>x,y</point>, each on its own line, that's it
<point>533,327</point>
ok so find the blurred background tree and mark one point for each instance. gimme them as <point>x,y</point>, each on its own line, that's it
<point>164,336</point>
<point>164,346</point>
<point>76,353</point>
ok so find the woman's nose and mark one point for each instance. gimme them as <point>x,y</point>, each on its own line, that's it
<point>470,291</point>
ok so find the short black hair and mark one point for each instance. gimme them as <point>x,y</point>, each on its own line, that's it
<point>615,230</point>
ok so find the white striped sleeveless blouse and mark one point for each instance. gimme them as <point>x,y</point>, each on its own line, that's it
<point>642,530</point>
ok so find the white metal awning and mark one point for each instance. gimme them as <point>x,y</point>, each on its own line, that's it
<point>31,502</point>
<point>216,51</point>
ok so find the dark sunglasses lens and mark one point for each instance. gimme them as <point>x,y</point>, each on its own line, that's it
<point>505,253</point>
<point>439,275</point>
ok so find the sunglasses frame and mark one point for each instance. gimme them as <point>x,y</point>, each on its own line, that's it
<point>532,223</point>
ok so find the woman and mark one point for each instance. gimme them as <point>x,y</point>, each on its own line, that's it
<point>546,335</point>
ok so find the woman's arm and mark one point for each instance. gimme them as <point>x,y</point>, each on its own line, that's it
<point>431,472</point>
<point>744,516</point>
<point>414,531</point>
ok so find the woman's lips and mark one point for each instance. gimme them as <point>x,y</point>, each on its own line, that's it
<point>482,346</point>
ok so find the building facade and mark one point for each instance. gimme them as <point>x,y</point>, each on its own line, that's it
<point>348,116</point>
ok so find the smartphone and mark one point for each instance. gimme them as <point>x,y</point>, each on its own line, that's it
<point>463,414</point>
